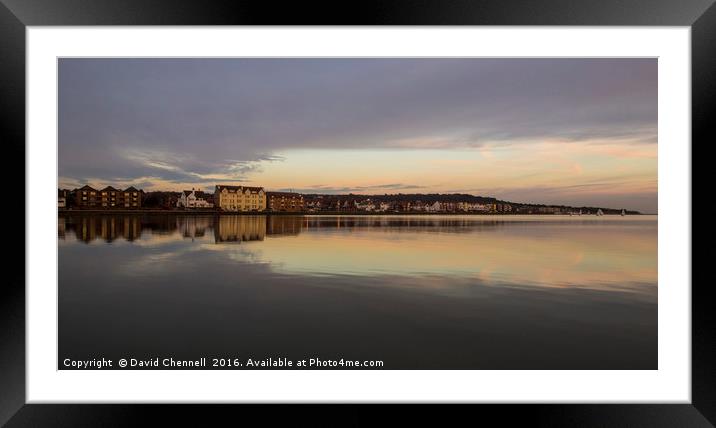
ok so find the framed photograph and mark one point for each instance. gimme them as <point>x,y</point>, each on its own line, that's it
<point>476,203</point>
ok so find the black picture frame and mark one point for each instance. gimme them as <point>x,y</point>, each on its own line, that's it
<point>16,15</point>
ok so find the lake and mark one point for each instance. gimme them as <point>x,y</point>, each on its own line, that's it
<point>415,292</point>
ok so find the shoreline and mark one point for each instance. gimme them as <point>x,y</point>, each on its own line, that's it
<point>322,213</point>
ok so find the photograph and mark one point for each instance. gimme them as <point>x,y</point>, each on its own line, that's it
<point>357,213</point>
<point>412,204</point>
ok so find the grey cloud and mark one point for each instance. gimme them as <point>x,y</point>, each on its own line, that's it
<point>201,117</point>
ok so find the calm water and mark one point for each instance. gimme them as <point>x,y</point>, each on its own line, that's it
<point>417,292</point>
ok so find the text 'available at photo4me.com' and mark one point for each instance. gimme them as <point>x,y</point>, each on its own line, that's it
<point>218,363</point>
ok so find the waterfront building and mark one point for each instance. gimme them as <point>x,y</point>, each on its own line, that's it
<point>62,196</point>
<point>549,210</point>
<point>365,205</point>
<point>313,205</point>
<point>404,206</point>
<point>435,207</point>
<point>194,199</point>
<point>285,201</point>
<point>131,198</point>
<point>86,197</point>
<point>240,198</point>
<point>449,206</point>
<point>108,198</point>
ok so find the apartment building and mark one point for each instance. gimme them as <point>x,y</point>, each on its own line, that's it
<point>62,196</point>
<point>285,202</point>
<point>108,198</point>
<point>240,198</point>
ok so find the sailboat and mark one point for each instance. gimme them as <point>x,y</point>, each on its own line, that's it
<point>599,212</point>
<point>623,213</point>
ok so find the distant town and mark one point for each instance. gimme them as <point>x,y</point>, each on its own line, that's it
<point>251,199</point>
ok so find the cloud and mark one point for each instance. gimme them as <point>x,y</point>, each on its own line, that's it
<point>182,122</point>
<point>214,120</point>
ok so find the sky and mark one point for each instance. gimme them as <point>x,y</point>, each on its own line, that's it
<point>556,131</point>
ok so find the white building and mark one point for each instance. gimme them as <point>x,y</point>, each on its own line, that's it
<point>193,199</point>
<point>366,205</point>
<point>483,207</point>
<point>436,207</point>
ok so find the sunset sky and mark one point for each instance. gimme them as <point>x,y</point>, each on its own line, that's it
<point>556,131</point>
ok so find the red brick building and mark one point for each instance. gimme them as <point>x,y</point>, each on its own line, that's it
<point>108,198</point>
<point>285,202</point>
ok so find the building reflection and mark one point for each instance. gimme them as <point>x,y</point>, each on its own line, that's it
<point>284,225</point>
<point>613,253</point>
<point>421,223</point>
<point>107,228</point>
<point>61,227</point>
<point>240,228</point>
<point>194,226</point>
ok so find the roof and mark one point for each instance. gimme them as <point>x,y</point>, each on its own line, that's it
<point>220,187</point>
<point>87,187</point>
<point>109,188</point>
<point>197,193</point>
<point>131,189</point>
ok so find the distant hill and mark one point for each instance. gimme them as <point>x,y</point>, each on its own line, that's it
<point>461,197</point>
<point>406,197</point>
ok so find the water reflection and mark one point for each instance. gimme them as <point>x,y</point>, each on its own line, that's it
<point>239,228</point>
<point>460,292</point>
<point>106,228</point>
<point>194,227</point>
<point>548,251</point>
